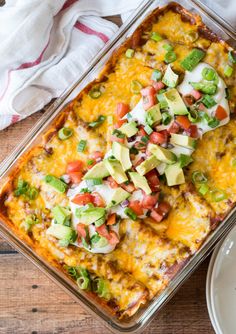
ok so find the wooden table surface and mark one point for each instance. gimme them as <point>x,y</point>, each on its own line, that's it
<point>30,303</point>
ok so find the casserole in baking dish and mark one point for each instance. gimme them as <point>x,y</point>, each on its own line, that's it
<point>137,171</point>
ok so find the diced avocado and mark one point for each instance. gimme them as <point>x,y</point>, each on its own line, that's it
<point>162,154</point>
<point>90,214</point>
<point>183,140</point>
<point>119,196</point>
<point>129,129</point>
<point>60,232</point>
<point>121,153</point>
<point>153,115</point>
<point>175,102</point>
<point>98,241</point>
<point>170,79</point>
<point>174,175</point>
<point>140,182</point>
<point>61,215</point>
<point>147,165</point>
<point>115,169</point>
<point>98,171</point>
<point>192,59</point>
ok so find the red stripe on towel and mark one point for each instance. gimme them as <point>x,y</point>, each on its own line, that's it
<point>15,118</point>
<point>82,27</point>
<point>68,3</point>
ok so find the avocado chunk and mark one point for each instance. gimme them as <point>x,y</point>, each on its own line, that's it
<point>174,175</point>
<point>116,171</point>
<point>89,214</point>
<point>140,182</point>
<point>129,129</point>
<point>175,102</point>
<point>147,165</point>
<point>162,154</point>
<point>170,79</point>
<point>61,215</point>
<point>119,196</point>
<point>183,140</point>
<point>153,115</point>
<point>98,171</point>
<point>121,153</point>
<point>61,232</point>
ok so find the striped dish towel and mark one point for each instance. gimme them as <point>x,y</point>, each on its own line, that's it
<point>45,45</point>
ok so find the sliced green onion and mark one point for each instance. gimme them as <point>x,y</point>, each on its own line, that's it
<point>145,139</point>
<point>90,162</point>
<point>83,283</point>
<point>155,36</point>
<point>118,134</point>
<point>170,57</point>
<point>232,57</point>
<point>148,129</point>
<point>95,238</point>
<point>168,47</point>
<point>209,74</point>
<point>192,59</point>
<point>218,195</point>
<point>72,271</point>
<point>23,188</point>
<point>32,193</point>
<point>203,189</point>
<point>204,87</point>
<point>166,118</point>
<point>100,287</point>
<point>135,86</point>
<point>129,53</point>
<point>56,183</point>
<point>213,122</point>
<point>199,177</point>
<point>130,213</point>
<point>208,101</point>
<point>191,36</point>
<point>29,222</point>
<point>233,163</point>
<point>156,75</point>
<point>94,182</point>
<point>193,115</point>
<point>98,122</point>
<point>81,146</point>
<point>184,160</point>
<point>162,101</point>
<point>95,93</point>
<point>61,214</point>
<point>228,71</point>
<point>65,133</point>
<point>134,150</point>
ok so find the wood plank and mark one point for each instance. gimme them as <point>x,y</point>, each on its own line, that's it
<point>30,303</point>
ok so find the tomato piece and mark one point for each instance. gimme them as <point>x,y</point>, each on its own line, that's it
<point>196,94</point>
<point>119,123</point>
<point>149,201</point>
<point>164,208</point>
<point>81,229</point>
<point>136,207</point>
<point>183,121</point>
<point>103,231</point>
<point>149,90</point>
<point>153,180</point>
<point>98,200</point>
<point>117,139</point>
<point>201,106</point>
<point>76,177</point>
<point>113,238</point>
<point>122,109</point>
<point>128,187</point>
<point>174,128</point>
<point>74,166</point>
<point>149,101</point>
<point>220,113</point>
<point>139,162</point>
<point>83,199</point>
<point>96,155</point>
<point>156,215</point>
<point>112,183</point>
<point>158,85</point>
<point>157,138</point>
<point>189,99</point>
<point>193,131</point>
<point>111,219</point>
<point>141,131</point>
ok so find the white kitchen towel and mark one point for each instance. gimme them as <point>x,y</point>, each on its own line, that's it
<point>46,45</point>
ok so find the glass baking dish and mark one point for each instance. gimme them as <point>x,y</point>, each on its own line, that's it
<point>141,319</point>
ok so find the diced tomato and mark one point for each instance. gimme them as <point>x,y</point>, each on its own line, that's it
<point>153,180</point>
<point>141,131</point>
<point>149,90</point>
<point>103,231</point>
<point>220,113</point>
<point>139,162</point>
<point>111,219</point>
<point>157,85</point>
<point>193,131</point>
<point>189,99</point>
<point>136,207</point>
<point>119,123</point>
<point>149,201</point>
<point>128,187</point>
<point>76,177</point>
<point>117,139</point>
<point>74,166</point>
<point>112,183</point>
<point>201,106</point>
<point>174,128</point>
<point>157,138</point>
<point>98,200</point>
<point>122,109</point>
<point>196,94</point>
<point>149,101</point>
<point>164,208</point>
<point>183,121</point>
<point>96,155</point>
<point>83,199</point>
<point>81,229</point>
<point>156,215</point>
<point>113,238</point>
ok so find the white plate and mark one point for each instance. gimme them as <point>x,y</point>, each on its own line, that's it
<point>221,286</point>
